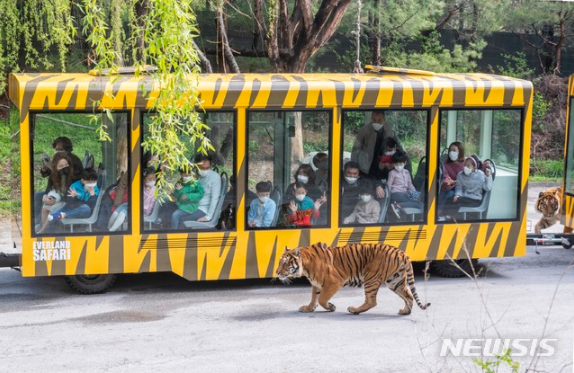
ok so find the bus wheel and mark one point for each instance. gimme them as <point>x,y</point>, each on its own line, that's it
<point>91,284</point>
<point>448,268</point>
<point>566,243</point>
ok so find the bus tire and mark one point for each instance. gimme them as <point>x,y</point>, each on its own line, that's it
<point>91,284</point>
<point>566,243</point>
<point>448,268</point>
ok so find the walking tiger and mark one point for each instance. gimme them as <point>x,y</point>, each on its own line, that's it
<point>328,269</point>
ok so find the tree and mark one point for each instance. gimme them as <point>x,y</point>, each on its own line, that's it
<point>34,34</point>
<point>545,27</point>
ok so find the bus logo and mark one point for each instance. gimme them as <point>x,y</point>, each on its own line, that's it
<point>48,250</point>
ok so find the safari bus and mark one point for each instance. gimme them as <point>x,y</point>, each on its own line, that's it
<point>322,137</point>
<point>558,203</point>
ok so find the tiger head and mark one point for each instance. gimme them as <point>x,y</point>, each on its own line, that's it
<point>548,202</point>
<point>290,265</point>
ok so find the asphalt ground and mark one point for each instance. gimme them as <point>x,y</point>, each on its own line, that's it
<point>162,323</point>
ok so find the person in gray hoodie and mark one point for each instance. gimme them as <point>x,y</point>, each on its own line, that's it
<point>471,183</point>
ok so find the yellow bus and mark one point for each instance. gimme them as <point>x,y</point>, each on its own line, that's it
<point>276,128</point>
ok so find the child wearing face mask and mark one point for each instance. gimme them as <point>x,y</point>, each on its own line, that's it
<point>367,210</point>
<point>471,183</point>
<point>400,183</point>
<point>306,176</point>
<point>386,160</point>
<point>303,211</point>
<point>262,209</point>
<point>81,197</point>
<point>187,193</point>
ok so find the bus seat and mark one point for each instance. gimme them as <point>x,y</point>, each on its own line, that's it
<point>384,204</point>
<point>85,159</point>
<point>154,214</point>
<point>419,181</point>
<point>213,222</point>
<point>86,221</point>
<point>277,197</point>
<point>444,155</point>
<point>483,207</point>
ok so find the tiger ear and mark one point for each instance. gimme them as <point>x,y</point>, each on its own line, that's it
<point>558,191</point>
<point>286,248</point>
<point>541,195</point>
<point>297,252</point>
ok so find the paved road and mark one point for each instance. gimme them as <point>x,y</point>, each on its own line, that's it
<point>161,323</point>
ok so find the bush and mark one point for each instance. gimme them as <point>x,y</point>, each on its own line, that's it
<point>546,169</point>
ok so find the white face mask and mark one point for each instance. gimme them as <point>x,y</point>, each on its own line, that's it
<point>186,179</point>
<point>300,197</point>
<point>91,185</point>
<point>150,184</point>
<point>365,198</point>
<point>453,155</point>
<point>390,152</point>
<point>351,180</point>
<point>303,179</point>
<point>399,167</point>
<point>467,171</point>
<point>377,126</point>
<point>203,173</point>
<point>263,199</point>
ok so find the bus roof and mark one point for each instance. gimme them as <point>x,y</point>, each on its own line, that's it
<point>369,90</point>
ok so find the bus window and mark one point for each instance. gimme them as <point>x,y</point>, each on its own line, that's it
<point>288,169</point>
<point>569,180</point>
<point>196,204</point>
<point>384,153</point>
<point>73,172</point>
<point>493,136</point>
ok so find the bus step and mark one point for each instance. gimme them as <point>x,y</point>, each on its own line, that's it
<point>10,260</point>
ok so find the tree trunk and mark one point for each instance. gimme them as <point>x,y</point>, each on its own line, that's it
<point>142,11</point>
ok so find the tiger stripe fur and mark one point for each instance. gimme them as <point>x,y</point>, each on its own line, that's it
<point>548,204</point>
<point>328,269</point>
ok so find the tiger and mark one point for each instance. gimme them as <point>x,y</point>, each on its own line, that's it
<point>548,204</point>
<point>330,268</point>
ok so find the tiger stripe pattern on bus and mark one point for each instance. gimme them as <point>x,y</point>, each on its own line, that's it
<point>239,253</point>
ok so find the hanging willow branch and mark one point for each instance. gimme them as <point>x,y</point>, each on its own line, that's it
<point>168,30</point>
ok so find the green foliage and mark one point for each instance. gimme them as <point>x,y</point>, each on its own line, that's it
<point>168,31</point>
<point>31,33</point>
<point>435,57</point>
<point>489,366</point>
<point>546,169</point>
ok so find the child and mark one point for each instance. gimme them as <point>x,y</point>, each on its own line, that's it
<point>386,160</point>
<point>403,192</point>
<point>367,210</point>
<point>471,183</point>
<point>303,211</point>
<point>262,209</point>
<point>188,193</point>
<point>81,198</point>
<point>148,190</point>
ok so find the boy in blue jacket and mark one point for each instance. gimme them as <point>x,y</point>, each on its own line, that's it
<point>81,198</point>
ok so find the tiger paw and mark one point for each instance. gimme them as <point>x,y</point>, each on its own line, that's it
<point>353,310</point>
<point>404,311</point>
<point>330,307</point>
<point>306,309</point>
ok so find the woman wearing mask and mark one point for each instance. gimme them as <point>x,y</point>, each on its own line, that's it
<point>471,183</point>
<point>452,167</point>
<point>61,178</point>
<point>305,176</point>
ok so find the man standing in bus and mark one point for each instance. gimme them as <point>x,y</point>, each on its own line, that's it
<point>370,141</point>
